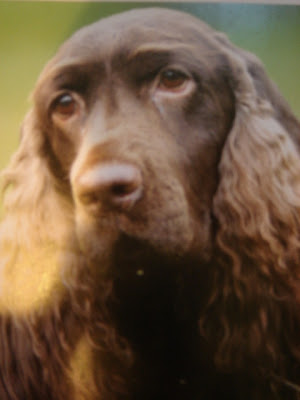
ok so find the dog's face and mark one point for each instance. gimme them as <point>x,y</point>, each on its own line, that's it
<point>135,110</point>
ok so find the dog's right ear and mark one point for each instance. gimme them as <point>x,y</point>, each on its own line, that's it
<point>35,226</point>
<point>258,192</point>
<point>26,176</point>
<point>31,191</point>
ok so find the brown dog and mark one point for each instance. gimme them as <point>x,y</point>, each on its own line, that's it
<point>150,248</point>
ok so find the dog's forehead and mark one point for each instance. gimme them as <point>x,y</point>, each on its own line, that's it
<point>131,30</point>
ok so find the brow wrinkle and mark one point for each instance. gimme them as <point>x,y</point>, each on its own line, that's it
<point>163,48</point>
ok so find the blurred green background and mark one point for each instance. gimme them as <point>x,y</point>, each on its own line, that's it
<point>30,33</point>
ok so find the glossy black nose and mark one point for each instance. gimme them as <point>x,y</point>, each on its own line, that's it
<point>113,185</point>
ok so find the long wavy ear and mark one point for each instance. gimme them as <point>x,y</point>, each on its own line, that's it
<point>34,236</point>
<point>46,289</point>
<point>35,223</point>
<point>254,309</point>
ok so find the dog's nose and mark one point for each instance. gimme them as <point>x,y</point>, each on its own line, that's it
<point>113,185</point>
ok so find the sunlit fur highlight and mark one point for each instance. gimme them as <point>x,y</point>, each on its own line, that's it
<point>37,238</point>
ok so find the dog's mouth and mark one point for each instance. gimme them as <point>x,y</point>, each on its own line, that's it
<point>127,204</point>
<point>139,242</point>
<point>135,258</point>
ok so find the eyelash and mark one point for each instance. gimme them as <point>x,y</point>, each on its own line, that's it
<point>172,79</point>
<point>65,105</point>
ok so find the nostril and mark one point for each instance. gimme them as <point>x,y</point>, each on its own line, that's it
<point>110,184</point>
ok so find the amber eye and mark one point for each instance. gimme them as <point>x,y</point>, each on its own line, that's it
<point>65,105</point>
<point>172,79</point>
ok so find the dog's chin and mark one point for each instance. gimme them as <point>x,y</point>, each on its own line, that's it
<point>172,237</point>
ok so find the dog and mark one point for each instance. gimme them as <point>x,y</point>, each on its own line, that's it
<point>150,243</point>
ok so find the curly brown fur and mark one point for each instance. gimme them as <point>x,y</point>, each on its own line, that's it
<point>150,247</point>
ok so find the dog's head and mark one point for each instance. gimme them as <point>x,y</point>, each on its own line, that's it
<point>160,130</point>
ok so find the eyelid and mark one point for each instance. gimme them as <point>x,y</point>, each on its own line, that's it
<point>180,86</point>
<point>186,75</point>
<point>176,68</point>
<point>80,104</point>
<point>55,96</point>
<point>65,105</point>
<point>171,79</point>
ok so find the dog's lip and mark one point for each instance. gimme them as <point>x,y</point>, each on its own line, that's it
<point>123,203</point>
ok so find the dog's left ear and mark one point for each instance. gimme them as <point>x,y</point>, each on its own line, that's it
<point>257,210</point>
<point>258,196</point>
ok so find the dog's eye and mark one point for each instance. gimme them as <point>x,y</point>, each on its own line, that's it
<point>65,105</point>
<point>172,79</point>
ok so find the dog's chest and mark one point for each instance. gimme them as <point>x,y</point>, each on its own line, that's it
<point>157,315</point>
